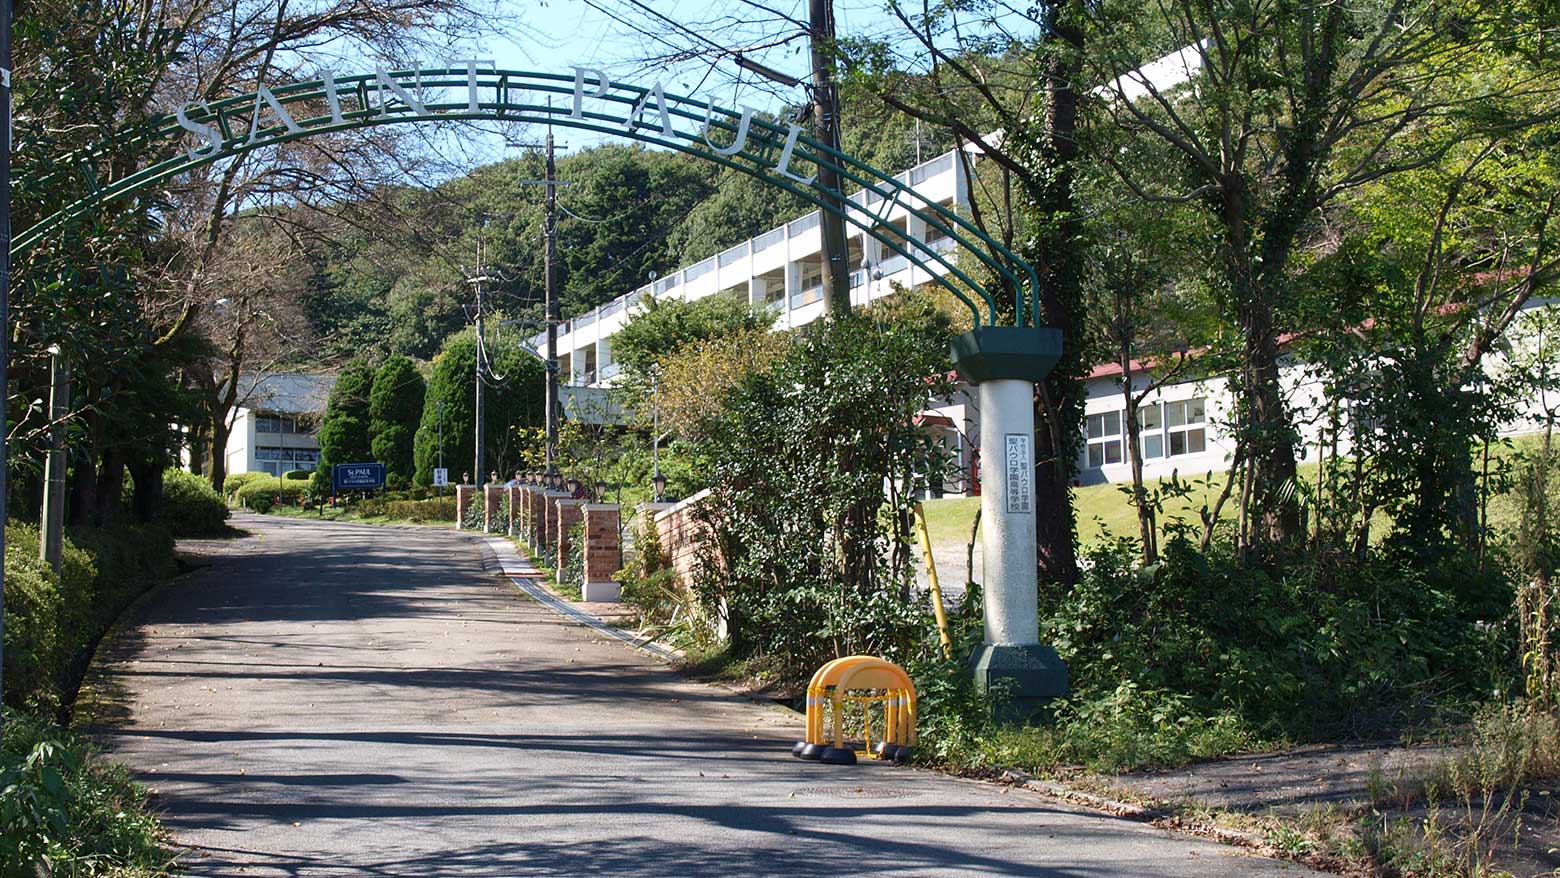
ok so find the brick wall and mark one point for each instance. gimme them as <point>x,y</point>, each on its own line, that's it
<point>681,536</point>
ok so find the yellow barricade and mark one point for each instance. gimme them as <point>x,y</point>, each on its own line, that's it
<point>831,688</point>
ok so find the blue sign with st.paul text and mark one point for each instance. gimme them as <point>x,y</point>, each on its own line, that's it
<point>358,476</point>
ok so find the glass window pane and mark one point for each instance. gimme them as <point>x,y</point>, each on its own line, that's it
<point>1096,454</point>
<point>1194,411</point>
<point>1096,425</point>
<point>1177,444</point>
<point>1153,446</point>
<point>1113,423</point>
<point>1113,452</point>
<point>1175,413</point>
<point>1195,441</point>
<point>1148,416</point>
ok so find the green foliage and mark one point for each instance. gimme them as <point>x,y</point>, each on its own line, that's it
<point>573,572</point>
<point>237,481</point>
<point>395,407</point>
<point>52,622</point>
<point>663,326</point>
<point>812,464</point>
<point>191,508</point>
<point>66,811</point>
<point>515,402</point>
<point>736,211</point>
<point>261,496</point>
<point>298,475</point>
<point>344,436</point>
<point>1303,651</point>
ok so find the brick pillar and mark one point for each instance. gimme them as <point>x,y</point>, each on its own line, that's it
<point>549,522</point>
<point>492,504</point>
<point>463,495</point>
<point>603,552</point>
<point>568,515</point>
<point>522,522</point>
<point>512,526</point>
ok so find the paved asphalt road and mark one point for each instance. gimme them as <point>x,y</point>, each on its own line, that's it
<point>331,700</point>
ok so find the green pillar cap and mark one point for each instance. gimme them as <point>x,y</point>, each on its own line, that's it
<point>989,353</point>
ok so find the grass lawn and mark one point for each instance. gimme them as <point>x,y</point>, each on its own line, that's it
<point>1104,510</point>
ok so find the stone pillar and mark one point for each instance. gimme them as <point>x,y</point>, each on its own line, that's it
<point>492,506</point>
<point>603,552</point>
<point>566,515</point>
<point>1005,363</point>
<point>463,495</point>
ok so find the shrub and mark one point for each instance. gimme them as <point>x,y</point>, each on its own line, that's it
<point>298,475</point>
<point>810,459</point>
<point>52,623</point>
<point>436,509</point>
<point>238,481</point>
<point>1297,651</point>
<point>66,811</point>
<point>191,508</point>
<point>265,492</point>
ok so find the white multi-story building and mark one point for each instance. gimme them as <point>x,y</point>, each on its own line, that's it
<point>1183,422</point>
<point>274,426</point>
<point>781,269</point>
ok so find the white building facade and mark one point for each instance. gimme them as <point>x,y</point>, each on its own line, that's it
<point>274,428</point>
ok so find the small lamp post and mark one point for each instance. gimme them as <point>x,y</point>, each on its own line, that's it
<point>574,486</point>
<point>554,479</point>
<point>658,483</point>
<point>601,491</point>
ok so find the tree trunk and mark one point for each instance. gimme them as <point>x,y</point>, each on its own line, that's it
<point>1053,250</point>
<point>220,431</point>
<point>110,486</point>
<point>147,473</point>
<point>1147,528</point>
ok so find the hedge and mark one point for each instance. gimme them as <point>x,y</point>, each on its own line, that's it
<point>261,495</point>
<point>237,481</point>
<point>191,507</point>
<point>52,623</point>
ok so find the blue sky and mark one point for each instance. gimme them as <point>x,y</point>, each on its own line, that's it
<point>609,34</point>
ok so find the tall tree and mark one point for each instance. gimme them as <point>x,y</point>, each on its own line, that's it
<point>1014,97</point>
<point>394,410</point>
<point>1274,114</point>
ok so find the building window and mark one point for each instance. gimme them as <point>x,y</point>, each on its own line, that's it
<point>1151,431</point>
<point>275,424</point>
<point>1104,438</point>
<point>1185,432</point>
<point>1166,429</point>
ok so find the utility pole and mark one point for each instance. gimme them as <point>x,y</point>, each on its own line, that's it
<point>482,366</point>
<point>51,536</point>
<point>550,279</point>
<point>826,129</point>
<point>5,286</point>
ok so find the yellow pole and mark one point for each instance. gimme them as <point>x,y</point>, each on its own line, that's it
<point>931,580</point>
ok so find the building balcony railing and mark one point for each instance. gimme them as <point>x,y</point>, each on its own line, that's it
<point>808,296</point>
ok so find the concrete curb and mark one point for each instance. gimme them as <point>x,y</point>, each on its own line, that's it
<point>500,554</point>
<point>1163,818</point>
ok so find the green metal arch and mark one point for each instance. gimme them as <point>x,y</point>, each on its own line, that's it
<point>647,114</point>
